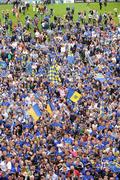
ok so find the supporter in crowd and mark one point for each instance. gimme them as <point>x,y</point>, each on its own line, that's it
<point>78,140</point>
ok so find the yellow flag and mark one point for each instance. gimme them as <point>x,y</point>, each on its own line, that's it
<point>49,110</point>
<point>75,97</point>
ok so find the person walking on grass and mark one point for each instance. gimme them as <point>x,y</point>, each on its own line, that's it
<point>100,4</point>
<point>105,3</point>
<point>88,2</point>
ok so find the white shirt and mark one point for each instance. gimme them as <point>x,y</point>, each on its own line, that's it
<point>54,177</point>
<point>3,166</point>
<point>9,165</point>
<point>37,34</point>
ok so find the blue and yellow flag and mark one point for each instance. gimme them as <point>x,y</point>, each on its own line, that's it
<point>70,93</point>
<point>73,95</point>
<point>35,112</point>
<point>50,107</point>
<point>53,74</point>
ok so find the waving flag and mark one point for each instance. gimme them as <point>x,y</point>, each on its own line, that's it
<point>35,112</point>
<point>53,75</point>
<point>70,93</point>
<point>50,107</point>
<point>73,95</point>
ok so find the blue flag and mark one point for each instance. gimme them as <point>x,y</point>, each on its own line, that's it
<point>71,59</point>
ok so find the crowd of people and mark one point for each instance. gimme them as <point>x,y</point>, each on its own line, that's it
<point>78,140</point>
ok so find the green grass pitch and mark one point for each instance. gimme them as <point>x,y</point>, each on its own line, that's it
<point>60,9</point>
